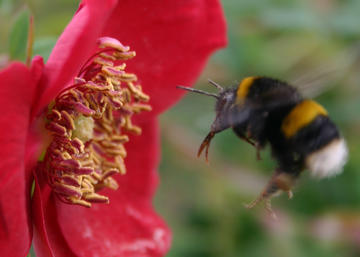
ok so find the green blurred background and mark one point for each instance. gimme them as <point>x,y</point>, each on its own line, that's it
<point>315,45</point>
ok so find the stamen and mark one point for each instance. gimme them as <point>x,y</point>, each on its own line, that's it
<point>88,121</point>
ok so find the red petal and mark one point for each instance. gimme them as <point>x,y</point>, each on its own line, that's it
<point>74,47</point>
<point>17,88</point>
<point>126,227</point>
<point>172,40</point>
<point>48,240</point>
<point>34,140</point>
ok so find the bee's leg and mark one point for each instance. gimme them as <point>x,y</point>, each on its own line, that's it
<point>256,142</point>
<point>267,205</point>
<point>290,194</point>
<point>280,181</point>
<point>266,196</point>
<point>247,139</point>
<point>241,134</point>
<point>258,148</point>
<point>269,209</point>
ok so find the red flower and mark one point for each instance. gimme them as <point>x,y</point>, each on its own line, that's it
<point>172,40</point>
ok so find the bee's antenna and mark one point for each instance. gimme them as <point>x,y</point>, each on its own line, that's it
<point>216,85</point>
<point>198,91</point>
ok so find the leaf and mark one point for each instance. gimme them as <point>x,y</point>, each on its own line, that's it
<point>19,35</point>
<point>43,46</point>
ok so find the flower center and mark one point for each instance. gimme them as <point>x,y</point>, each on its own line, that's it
<point>88,122</point>
<point>84,127</point>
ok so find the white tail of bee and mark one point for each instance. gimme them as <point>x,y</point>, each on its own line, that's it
<point>329,160</point>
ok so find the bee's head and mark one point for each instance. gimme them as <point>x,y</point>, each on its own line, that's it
<point>225,99</point>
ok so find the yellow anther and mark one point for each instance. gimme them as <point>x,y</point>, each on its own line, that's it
<point>84,203</point>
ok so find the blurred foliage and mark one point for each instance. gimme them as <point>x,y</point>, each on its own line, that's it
<point>19,36</point>
<point>315,45</point>
<point>50,18</point>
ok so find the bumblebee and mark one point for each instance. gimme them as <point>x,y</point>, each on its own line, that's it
<point>263,110</point>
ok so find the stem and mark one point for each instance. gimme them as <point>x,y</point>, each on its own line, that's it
<point>30,41</point>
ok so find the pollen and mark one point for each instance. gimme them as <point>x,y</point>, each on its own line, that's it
<point>89,123</point>
<point>84,127</point>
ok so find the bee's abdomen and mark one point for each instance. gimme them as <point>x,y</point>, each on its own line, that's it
<point>323,150</point>
<point>302,115</point>
<point>315,135</point>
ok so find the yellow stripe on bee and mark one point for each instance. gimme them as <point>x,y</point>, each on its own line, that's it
<point>300,116</point>
<point>243,88</point>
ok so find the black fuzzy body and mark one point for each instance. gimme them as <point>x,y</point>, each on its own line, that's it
<point>259,118</point>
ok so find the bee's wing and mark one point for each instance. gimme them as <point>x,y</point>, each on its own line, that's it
<point>277,98</point>
<point>316,80</point>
